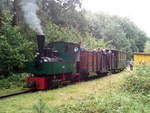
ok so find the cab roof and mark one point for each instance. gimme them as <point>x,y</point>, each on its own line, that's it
<point>141,53</point>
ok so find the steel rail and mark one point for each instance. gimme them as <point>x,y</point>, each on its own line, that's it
<point>15,93</point>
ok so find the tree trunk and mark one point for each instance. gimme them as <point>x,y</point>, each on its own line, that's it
<point>16,13</point>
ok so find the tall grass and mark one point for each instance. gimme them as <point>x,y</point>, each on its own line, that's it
<point>40,107</point>
<point>109,102</point>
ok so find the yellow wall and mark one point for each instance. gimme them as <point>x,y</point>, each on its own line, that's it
<point>139,57</point>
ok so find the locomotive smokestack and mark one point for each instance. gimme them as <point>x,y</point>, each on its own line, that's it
<point>41,43</point>
<point>30,9</point>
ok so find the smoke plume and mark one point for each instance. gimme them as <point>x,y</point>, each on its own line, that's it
<point>29,9</point>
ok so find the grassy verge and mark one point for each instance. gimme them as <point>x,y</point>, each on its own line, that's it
<point>11,90</point>
<point>108,102</point>
<point>56,98</point>
<point>125,92</point>
<point>133,96</point>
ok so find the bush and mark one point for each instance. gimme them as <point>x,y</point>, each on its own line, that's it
<point>13,81</point>
<point>138,81</point>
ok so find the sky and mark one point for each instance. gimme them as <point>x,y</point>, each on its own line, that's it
<point>138,11</point>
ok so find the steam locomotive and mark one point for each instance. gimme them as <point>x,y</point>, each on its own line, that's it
<point>60,63</point>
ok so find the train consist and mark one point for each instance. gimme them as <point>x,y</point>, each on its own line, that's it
<point>60,63</point>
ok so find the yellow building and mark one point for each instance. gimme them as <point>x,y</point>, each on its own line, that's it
<point>141,59</point>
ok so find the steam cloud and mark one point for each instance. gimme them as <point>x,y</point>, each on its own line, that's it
<point>29,9</point>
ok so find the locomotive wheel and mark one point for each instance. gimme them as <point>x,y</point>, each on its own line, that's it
<point>73,79</point>
<point>54,84</point>
<point>84,75</point>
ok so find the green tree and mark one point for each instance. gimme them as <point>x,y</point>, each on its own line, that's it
<point>147,47</point>
<point>15,49</point>
<point>119,33</point>
<point>13,7</point>
<point>63,13</point>
<point>54,32</point>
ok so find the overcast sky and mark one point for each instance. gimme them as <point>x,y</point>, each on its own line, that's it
<point>137,11</point>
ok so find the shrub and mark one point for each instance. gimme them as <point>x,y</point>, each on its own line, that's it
<point>13,81</point>
<point>138,81</point>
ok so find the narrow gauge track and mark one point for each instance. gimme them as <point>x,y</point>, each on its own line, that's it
<point>29,90</point>
<point>15,93</point>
